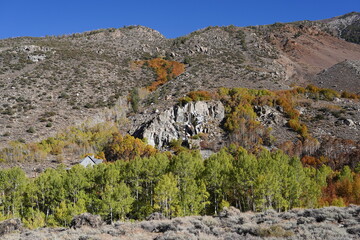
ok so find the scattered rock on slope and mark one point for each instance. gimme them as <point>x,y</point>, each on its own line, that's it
<point>343,76</point>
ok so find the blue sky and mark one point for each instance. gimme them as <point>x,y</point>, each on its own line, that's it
<point>171,18</point>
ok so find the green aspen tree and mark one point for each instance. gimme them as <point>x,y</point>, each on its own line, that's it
<point>218,168</point>
<point>166,195</point>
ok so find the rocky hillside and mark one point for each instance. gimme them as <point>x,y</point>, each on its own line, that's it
<point>51,82</point>
<point>327,223</point>
<point>346,26</point>
<point>344,76</point>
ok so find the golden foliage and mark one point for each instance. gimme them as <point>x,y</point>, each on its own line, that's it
<point>197,96</point>
<point>127,148</point>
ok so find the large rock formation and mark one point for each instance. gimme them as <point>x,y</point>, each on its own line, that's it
<point>183,122</point>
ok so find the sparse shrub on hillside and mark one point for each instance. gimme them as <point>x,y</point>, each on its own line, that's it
<point>349,95</point>
<point>277,25</point>
<point>274,231</point>
<point>134,100</point>
<point>31,130</point>
<point>321,93</point>
<point>8,111</point>
<point>179,41</point>
<point>298,127</point>
<point>48,114</point>
<point>187,60</point>
<point>88,105</point>
<point>197,96</point>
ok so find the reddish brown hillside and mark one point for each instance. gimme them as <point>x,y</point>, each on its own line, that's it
<point>311,49</point>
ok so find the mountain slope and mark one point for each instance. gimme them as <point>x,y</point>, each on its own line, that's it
<point>53,82</point>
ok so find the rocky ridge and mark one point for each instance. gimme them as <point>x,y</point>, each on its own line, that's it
<point>333,223</point>
<point>346,26</point>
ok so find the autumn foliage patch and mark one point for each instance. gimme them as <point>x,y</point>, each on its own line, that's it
<point>165,70</point>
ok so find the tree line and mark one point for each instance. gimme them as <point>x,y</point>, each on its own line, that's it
<point>175,185</point>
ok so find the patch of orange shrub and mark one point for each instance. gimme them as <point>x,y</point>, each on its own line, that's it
<point>165,70</point>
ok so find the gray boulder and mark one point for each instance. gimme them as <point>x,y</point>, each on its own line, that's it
<point>10,225</point>
<point>86,219</point>
<point>155,216</point>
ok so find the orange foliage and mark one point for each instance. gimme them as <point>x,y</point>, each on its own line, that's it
<point>309,161</point>
<point>313,161</point>
<point>200,95</point>
<point>346,94</point>
<point>312,88</point>
<point>298,127</point>
<point>196,96</point>
<point>285,101</point>
<point>348,190</point>
<point>164,69</point>
<point>287,147</point>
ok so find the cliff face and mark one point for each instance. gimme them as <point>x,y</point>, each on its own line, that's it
<point>183,122</point>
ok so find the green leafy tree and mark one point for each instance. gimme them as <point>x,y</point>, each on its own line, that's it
<point>117,201</point>
<point>188,168</point>
<point>166,195</point>
<point>50,190</point>
<point>217,172</point>
<point>12,186</point>
<point>63,214</point>
<point>150,170</point>
<point>75,183</point>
